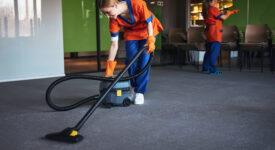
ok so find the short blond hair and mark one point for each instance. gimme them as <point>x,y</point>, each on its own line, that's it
<point>106,3</point>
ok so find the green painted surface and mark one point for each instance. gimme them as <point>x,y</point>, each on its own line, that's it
<point>240,18</point>
<point>105,36</point>
<point>158,13</point>
<point>260,12</point>
<point>79,26</point>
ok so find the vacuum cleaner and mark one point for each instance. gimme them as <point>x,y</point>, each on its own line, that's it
<point>114,91</point>
<point>120,94</point>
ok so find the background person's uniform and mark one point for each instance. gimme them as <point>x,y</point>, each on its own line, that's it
<point>213,33</point>
<point>135,35</point>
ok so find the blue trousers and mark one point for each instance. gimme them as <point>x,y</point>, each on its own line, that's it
<point>211,55</point>
<point>140,83</point>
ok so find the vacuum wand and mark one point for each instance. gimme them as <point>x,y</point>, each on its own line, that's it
<point>91,110</point>
<point>70,135</point>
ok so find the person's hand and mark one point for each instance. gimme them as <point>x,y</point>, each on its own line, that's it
<point>110,67</point>
<point>151,44</point>
<point>231,12</point>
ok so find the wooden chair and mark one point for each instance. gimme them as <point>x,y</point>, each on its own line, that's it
<point>195,42</point>
<point>175,36</point>
<point>257,39</point>
<point>230,42</point>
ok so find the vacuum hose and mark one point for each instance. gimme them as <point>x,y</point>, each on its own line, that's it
<point>70,134</point>
<point>88,77</point>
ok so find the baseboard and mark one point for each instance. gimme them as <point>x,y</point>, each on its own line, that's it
<point>32,78</point>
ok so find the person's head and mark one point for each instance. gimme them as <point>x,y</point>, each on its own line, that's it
<point>109,8</point>
<point>206,5</point>
<point>212,2</point>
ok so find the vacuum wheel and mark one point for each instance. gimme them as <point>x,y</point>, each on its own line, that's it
<point>126,102</point>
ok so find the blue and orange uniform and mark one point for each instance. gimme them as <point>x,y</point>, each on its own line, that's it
<point>213,32</point>
<point>135,35</point>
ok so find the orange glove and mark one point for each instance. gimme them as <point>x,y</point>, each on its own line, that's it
<point>231,12</point>
<point>151,44</point>
<point>110,67</point>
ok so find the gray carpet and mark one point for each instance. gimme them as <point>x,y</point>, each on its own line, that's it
<point>184,110</point>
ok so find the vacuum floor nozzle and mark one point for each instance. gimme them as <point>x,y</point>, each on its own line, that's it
<point>67,135</point>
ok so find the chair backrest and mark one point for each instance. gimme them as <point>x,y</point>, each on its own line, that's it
<point>195,35</point>
<point>176,35</point>
<point>230,34</point>
<point>257,33</point>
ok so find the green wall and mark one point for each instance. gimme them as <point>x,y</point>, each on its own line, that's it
<point>79,26</point>
<point>260,12</point>
<point>158,13</point>
<point>240,18</point>
<point>105,37</point>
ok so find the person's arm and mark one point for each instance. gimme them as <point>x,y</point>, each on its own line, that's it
<point>147,16</point>
<point>113,50</point>
<point>150,29</point>
<point>229,13</point>
<point>111,63</point>
<point>224,17</point>
<point>151,39</point>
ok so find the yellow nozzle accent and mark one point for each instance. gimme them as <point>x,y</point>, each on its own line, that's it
<point>118,93</point>
<point>74,133</point>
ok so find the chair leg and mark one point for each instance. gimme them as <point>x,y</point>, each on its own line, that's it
<point>248,65</point>
<point>198,61</point>
<point>193,58</point>
<point>262,61</point>
<point>271,59</point>
<point>249,60</point>
<point>245,59</point>
<point>229,60</point>
<point>190,55</point>
<point>176,57</point>
<point>186,57</point>
<point>252,57</point>
<point>179,57</point>
<point>240,60</point>
<point>221,58</point>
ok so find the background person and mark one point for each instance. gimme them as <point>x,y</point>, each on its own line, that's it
<point>213,31</point>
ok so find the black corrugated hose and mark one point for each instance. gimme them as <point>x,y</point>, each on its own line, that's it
<point>88,77</point>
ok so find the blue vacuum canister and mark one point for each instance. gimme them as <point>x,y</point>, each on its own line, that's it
<point>120,94</point>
